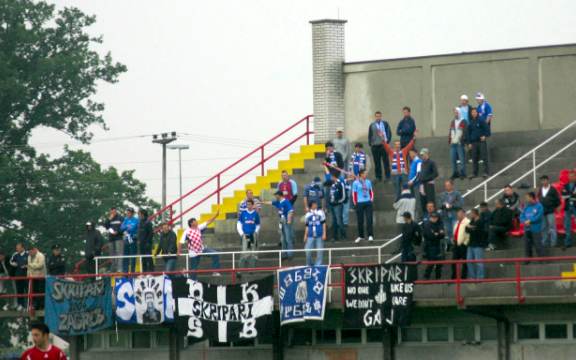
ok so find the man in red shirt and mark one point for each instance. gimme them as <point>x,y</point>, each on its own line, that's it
<point>42,349</point>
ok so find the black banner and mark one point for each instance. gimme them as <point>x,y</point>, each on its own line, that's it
<point>224,313</point>
<point>379,295</point>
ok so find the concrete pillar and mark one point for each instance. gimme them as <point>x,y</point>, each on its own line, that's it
<point>277,338</point>
<point>327,60</point>
<point>74,350</point>
<point>389,342</point>
<point>175,344</point>
<point>504,328</point>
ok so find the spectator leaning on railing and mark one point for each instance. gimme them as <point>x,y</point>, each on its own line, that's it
<point>115,241</point>
<point>168,246</point>
<point>478,241</point>
<point>569,196</point>
<point>93,246</point>
<point>129,230</point>
<point>411,236</point>
<point>195,244</point>
<point>145,240</point>
<point>56,264</point>
<point>550,200</point>
<point>461,240</point>
<point>19,261</point>
<point>532,218</point>
<point>433,233</point>
<point>37,269</point>
<point>6,270</point>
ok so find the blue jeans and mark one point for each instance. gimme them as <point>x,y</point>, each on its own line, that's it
<point>346,211</point>
<point>398,181</point>
<point>311,244</point>
<point>337,222</point>
<point>457,153</point>
<point>568,213</point>
<point>449,220</point>
<point>287,240</point>
<point>194,262</point>
<point>549,230</point>
<point>475,270</point>
<point>129,265</point>
<point>169,264</point>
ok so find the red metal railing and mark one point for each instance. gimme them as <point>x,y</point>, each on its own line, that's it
<point>218,176</point>
<point>517,280</point>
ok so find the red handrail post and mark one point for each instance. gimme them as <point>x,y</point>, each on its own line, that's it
<point>262,160</point>
<point>521,298</point>
<point>459,298</point>
<point>308,130</point>
<point>218,189</point>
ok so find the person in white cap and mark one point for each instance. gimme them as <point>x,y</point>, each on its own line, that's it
<point>484,111</point>
<point>464,108</point>
<point>342,145</point>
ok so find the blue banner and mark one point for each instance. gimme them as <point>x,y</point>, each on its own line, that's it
<point>302,292</point>
<point>144,300</point>
<point>78,307</point>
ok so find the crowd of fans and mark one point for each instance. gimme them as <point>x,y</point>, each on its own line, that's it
<point>437,224</point>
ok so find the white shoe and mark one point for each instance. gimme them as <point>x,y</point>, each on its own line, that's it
<point>216,274</point>
<point>6,307</point>
<point>20,308</point>
<point>370,238</point>
<point>358,240</point>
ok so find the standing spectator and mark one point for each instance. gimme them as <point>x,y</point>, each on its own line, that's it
<point>19,261</point>
<point>457,138</point>
<point>129,228</point>
<point>415,178</point>
<point>334,162</point>
<point>195,245</point>
<point>314,233</point>
<point>461,240</point>
<point>569,196</point>
<point>429,175</point>
<point>358,159</point>
<point>288,187</point>
<point>168,247</point>
<point>56,262</point>
<point>405,204</point>
<point>336,199</point>
<point>5,272</point>
<point>550,200</point>
<point>350,178</point>
<point>37,271</point>
<point>477,139</point>
<point>342,145</point>
<point>42,350</point>
<point>478,236</point>
<point>244,204</point>
<point>411,236</point>
<point>398,163</point>
<point>248,227</point>
<point>112,225</point>
<point>378,134</point>
<point>464,108</point>
<point>406,128</point>
<point>434,235</point>
<point>286,214</point>
<point>485,111</point>
<point>500,224</point>
<point>450,202</point>
<point>532,218</point>
<point>486,217</point>
<point>145,240</point>
<point>363,198</point>
<point>313,192</point>
<point>430,209</point>
<point>92,247</point>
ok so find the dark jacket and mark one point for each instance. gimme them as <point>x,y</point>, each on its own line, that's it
<point>337,195</point>
<point>429,170</point>
<point>339,163</point>
<point>511,201</point>
<point>114,224</point>
<point>20,263</point>
<point>551,201</point>
<point>94,242</point>
<point>476,129</point>
<point>502,217</point>
<point>411,235</point>
<point>486,217</point>
<point>433,234</point>
<point>569,195</point>
<point>405,129</point>
<point>56,265</point>
<point>145,232</point>
<point>478,234</point>
<point>167,245</point>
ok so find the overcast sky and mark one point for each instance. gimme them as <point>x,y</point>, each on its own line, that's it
<point>239,71</point>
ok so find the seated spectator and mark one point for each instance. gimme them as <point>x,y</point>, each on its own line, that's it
<point>314,192</point>
<point>363,198</point>
<point>334,162</point>
<point>398,164</point>
<point>457,139</point>
<point>500,224</point>
<point>511,199</point>
<point>129,229</point>
<point>406,128</point>
<point>406,203</point>
<point>411,236</point>
<point>19,261</point>
<point>56,262</point>
<point>342,145</point>
<point>248,227</point>
<point>550,200</point>
<point>288,187</point>
<point>93,247</point>
<point>477,242</point>
<point>195,245</point>
<point>249,196</point>
<point>532,218</point>
<point>168,246</point>
<point>461,240</point>
<point>145,240</point>
<point>478,133</point>
<point>450,202</point>
<point>314,233</point>
<point>358,159</point>
<point>433,233</point>
<point>429,175</point>
<point>569,196</point>
<point>37,270</point>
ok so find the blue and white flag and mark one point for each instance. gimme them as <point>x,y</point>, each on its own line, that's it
<point>302,292</point>
<point>144,300</point>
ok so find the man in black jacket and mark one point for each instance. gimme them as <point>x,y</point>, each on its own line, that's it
<point>145,237</point>
<point>93,247</point>
<point>56,263</point>
<point>334,161</point>
<point>476,245</point>
<point>411,235</point>
<point>429,175</point>
<point>433,233</point>
<point>500,224</point>
<point>168,246</point>
<point>550,200</point>
<point>569,196</point>
<point>115,241</point>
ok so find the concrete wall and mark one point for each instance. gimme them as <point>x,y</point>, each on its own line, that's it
<point>529,89</point>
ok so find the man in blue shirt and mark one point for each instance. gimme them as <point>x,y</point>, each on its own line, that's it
<point>286,214</point>
<point>313,192</point>
<point>363,197</point>
<point>314,233</point>
<point>532,217</point>
<point>478,133</point>
<point>248,227</point>
<point>415,177</point>
<point>129,228</point>
<point>484,111</point>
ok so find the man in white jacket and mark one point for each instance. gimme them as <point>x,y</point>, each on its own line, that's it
<point>461,239</point>
<point>406,203</point>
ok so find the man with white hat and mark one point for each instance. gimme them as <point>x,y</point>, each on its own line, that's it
<point>464,108</point>
<point>484,111</point>
<point>342,145</point>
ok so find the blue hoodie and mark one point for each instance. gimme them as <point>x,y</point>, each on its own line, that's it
<point>534,213</point>
<point>415,171</point>
<point>130,226</point>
